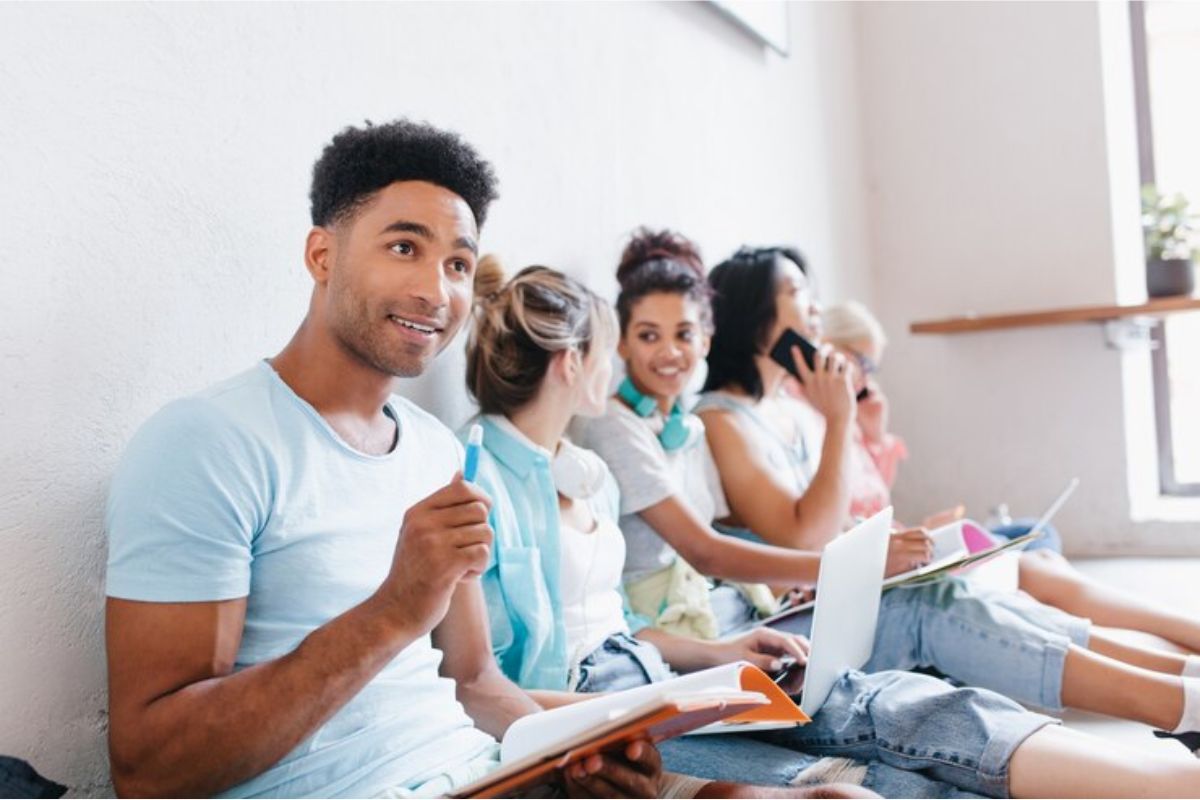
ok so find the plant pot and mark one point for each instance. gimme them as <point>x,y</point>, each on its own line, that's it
<point>1170,277</point>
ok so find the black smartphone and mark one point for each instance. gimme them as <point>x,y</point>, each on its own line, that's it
<point>781,354</point>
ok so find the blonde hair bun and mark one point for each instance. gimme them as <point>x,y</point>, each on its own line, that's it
<point>489,276</point>
<point>519,325</point>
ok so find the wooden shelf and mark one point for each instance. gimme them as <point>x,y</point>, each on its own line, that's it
<point>1055,316</point>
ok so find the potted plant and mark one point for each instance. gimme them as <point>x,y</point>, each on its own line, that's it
<point>1171,243</point>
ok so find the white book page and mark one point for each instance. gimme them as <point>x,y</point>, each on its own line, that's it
<point>948,542</point>
<point>742,727</point>
<point>537,732</point>
<point>1000,574</point>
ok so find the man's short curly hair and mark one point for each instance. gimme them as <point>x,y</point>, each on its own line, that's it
<point>361,161</point>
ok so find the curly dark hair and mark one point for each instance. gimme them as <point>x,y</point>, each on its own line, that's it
<point>660,261</point>
<point>360,161</point>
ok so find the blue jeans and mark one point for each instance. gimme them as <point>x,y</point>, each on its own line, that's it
<point>918,736</point>
<point>621,662</point>
<point>1003,641</point>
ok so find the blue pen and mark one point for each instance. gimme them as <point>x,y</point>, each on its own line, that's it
<point>474,442</point>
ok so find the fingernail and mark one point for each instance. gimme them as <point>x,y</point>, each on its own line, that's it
<point>776,665</point>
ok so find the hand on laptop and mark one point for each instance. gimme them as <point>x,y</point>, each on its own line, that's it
<point>907,550</point>
<point>766,648</point>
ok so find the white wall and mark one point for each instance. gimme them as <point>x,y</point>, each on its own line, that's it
<point>155,163</point>
<point>1002,170</point>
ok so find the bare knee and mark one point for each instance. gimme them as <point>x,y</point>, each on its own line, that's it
<point>1045,556</point>
<point>1048,577</point>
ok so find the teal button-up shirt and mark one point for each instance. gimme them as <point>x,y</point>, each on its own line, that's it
<point>521,584</point>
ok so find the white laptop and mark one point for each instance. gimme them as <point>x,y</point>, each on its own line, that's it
<point>849,588</point>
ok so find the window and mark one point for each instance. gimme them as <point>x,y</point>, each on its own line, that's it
<point>1166,51</point>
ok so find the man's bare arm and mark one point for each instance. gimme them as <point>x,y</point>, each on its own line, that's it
<point>183,723</point>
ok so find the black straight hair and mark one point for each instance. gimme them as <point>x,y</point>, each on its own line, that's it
<point>744,313</point>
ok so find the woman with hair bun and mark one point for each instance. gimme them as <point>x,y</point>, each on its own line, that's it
<point>538,355</point>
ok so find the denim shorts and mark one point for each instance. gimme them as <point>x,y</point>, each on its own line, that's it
<point>1003,641</point>
<point>621,662</point>
<point>917,735</point>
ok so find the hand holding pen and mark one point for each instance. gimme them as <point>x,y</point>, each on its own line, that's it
<point>444,540</point>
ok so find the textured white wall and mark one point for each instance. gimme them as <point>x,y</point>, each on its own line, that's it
<point>1002,172</point>
<point>154,163</point>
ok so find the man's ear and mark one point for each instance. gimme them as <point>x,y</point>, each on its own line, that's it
<point>319,250</point>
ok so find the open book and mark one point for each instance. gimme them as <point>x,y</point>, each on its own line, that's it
<point>965,543</point>
<point>956,547</point>
<point>732,695</point>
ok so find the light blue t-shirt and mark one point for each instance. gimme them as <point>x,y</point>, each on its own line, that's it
<point>244,490</point>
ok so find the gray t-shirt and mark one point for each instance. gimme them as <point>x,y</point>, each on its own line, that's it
<point>647,474</point>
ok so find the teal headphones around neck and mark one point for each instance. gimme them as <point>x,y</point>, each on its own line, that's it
<point>678,430</point>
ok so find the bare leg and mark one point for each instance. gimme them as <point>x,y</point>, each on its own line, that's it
<point>1146,641</point>
<point>1160,661</point>
<point>1057,762</point>
<point>1050,578</point>
<point>1093,682</point>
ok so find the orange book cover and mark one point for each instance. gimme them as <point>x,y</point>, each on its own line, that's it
<point>539,744</point>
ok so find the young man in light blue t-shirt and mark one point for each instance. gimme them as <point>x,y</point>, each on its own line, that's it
<point>293,607</point>
<point>269,633</point>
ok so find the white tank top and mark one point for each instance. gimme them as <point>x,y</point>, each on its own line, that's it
<point>591,574</point>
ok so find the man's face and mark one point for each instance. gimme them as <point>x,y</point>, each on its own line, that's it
<point>400,276</point>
